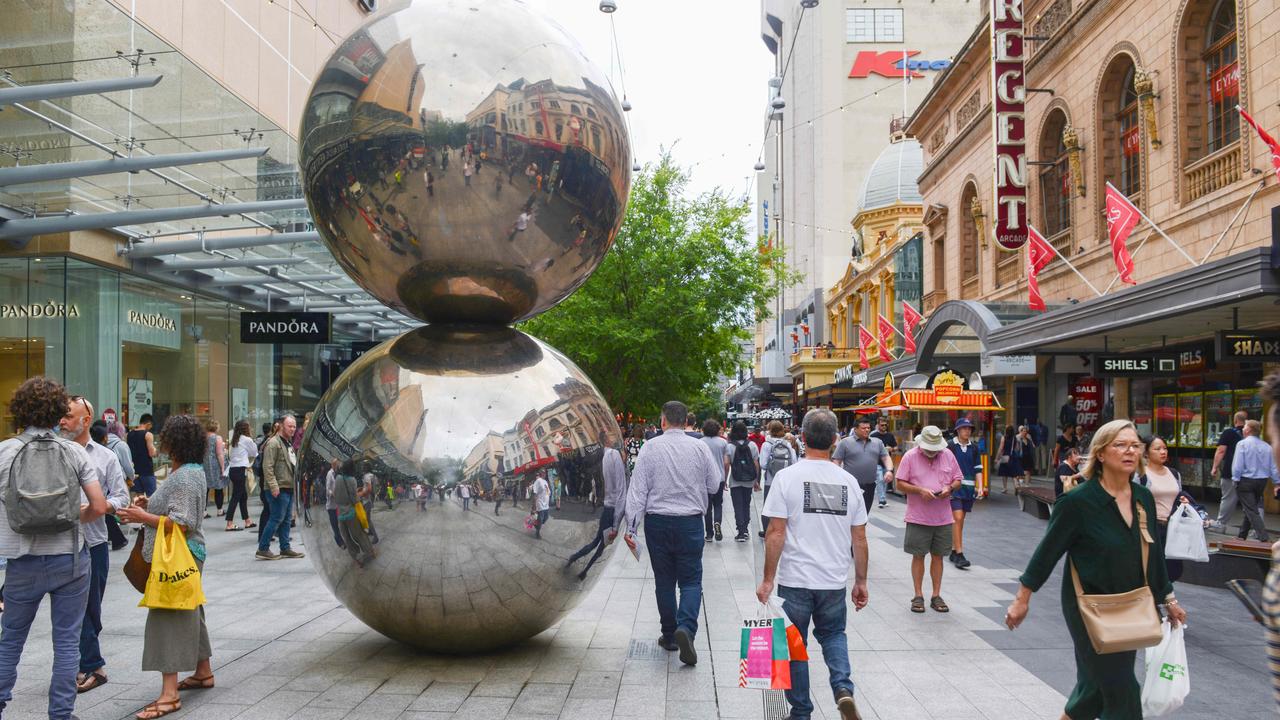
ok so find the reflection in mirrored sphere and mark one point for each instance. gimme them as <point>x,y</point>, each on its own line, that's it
<point>439,435</point>
<point>463,161</point>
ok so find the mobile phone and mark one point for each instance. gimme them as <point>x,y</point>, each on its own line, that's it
<point>1249,592</point>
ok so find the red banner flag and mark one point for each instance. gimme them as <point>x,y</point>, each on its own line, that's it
<point>910,319</point>
<point>1122,218</point>
<point>886,338</point>
<point>1266,138</point>
<point>864,340</point>
<point>1039,254</point>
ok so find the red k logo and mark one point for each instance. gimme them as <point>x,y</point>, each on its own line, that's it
<point>885,64</point>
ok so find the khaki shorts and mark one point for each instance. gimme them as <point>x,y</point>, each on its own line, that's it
<point>923,540</point>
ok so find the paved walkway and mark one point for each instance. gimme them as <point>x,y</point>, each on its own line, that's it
<point>284,648</point>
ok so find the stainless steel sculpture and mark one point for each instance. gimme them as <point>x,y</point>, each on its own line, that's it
<point>464,161</point>
<point>468,166</point>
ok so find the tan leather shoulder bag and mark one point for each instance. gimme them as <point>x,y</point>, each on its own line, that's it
<point>1123,621</point>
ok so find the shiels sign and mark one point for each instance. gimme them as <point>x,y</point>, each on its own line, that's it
<point>306,328</point>
<point>1009,99</point>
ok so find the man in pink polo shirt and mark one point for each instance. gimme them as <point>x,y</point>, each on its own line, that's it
<point>928,474</point>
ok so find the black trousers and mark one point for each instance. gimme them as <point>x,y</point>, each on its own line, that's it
<point>715,510</point>
<point>239,494</point>
<point>868,496</point>
<point>1249,492</point>
<point>114,534</point>
<point>741,497</point>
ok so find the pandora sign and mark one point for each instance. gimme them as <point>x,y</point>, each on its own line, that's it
<point>1008,103</point>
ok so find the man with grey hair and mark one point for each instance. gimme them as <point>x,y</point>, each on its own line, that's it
<point>673,476</point>
<point>816,514</point>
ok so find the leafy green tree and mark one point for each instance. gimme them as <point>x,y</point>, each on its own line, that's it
<point>663,316</point>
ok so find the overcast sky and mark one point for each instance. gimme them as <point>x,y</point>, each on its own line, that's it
<point>696,74</point>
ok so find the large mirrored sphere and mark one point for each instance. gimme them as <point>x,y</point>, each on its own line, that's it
<point>463,160</point>
<point>422,421</point>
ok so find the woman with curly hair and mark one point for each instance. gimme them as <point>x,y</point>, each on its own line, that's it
<point>176,640</point>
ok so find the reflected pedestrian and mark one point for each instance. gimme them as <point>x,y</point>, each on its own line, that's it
<point>347,493</point>
<point>615,483</point>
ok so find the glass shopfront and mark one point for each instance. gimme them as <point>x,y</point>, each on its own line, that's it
<point>137,347</point>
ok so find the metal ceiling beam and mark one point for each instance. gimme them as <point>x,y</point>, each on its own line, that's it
<point>49,91</point>
<point>61,171</point>
<point>151,248</point>
<point>180,265</point>
<point>252,281</point>
<point>26,228</point>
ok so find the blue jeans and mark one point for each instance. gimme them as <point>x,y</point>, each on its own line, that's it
<point>99,566</point>
<point>880,485</point>
<point>281,513</point>
<point>145,484</point>
<point>827,610</point>
<point>597,543</point>
<point>675,553</point>
<point>27,580</point>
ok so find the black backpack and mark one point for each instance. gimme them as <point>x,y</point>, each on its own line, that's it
<point>743,468</point>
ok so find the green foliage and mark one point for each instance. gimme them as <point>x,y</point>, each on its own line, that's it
<point>663,316</point>
<point>440,133</point>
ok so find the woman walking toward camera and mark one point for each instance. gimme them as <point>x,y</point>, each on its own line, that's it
<point>240,456</point>
<point>176,640</point>
<point>215,463</point>
<point>1165,485</point>
<point>1009,460</point>
<point>1106,527</point>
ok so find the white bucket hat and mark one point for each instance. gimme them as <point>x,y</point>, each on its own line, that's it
<point>931,438</point>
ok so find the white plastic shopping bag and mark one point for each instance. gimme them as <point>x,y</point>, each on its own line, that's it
<point>1168,681</point>
<point>1186,540</point>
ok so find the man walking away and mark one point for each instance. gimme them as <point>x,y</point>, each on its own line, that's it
<point>669,487</point>
<point>720,451</point>
<point>1252,466</point>
<point>744,477</point>
<point>45,482</point>
<point>691,426</point>
<point>776,455</point>
<point>891,445</point>
<point>862,456</point>
<point>969,458</point>
<point>615,483</point>
<point>928,476</point>
<point>278,467</point>
<point>142,446</point>
<point>1068,415</point>
<point>1223,459</point>
<point>541,492</point>
<point>75,426</point>
<point>464,492</point>
<point>817,513</point>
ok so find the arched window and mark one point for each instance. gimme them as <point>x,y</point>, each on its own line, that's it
<point>1130,138</point>
<point>968,235</point>
<point>1222,73</point>
<point>1055,178</point>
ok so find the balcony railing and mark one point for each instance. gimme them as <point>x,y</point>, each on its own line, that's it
<point>1218,170</point>
<point>822,352</point>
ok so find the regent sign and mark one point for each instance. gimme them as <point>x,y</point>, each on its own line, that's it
<point>1008,100</point>
<point>890,64</point>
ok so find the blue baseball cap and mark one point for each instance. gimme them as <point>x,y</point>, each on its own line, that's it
<point>963,422</point>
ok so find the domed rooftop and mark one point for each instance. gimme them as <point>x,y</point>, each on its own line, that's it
<point>892,177</point>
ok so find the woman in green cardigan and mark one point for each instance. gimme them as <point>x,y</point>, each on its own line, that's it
<point>1095,524</point>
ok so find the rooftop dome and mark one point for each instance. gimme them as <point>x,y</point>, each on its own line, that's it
<point>892,177</point>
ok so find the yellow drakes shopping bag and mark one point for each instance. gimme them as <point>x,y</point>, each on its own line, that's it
<point>174,581</point>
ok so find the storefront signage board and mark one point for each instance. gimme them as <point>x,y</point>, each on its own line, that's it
<point>1009,99</point>
<point>1135,365</point>
<point>998,365</point>
<point>150,321</point>
<point>301,328</point>
<point>1087,392</point>
<point>1234,346</point>
<point>844,374</point>
<point>141,398</point>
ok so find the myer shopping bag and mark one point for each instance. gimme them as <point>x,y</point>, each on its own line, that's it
<point>1186,540</point>
<point>765,653</point>
<point>1167,682</point>
<point>174,581</point>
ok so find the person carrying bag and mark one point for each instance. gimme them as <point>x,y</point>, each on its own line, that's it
<point>1119,622</point>
<point>173,582</point>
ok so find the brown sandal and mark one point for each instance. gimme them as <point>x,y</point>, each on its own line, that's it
<point>937,604</point>
<point>91,681</point>
<point>158,709</point>
<point>195,683</point>
<point>917,604</point>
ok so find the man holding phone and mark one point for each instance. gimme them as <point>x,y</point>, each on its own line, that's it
<point>928,476</point>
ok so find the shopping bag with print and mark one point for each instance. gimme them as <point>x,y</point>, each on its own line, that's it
<point>1186,540</point>
<point>174,581</point>
<point>764,660</point>
<point>1168,681</point>
<point>361,516</point>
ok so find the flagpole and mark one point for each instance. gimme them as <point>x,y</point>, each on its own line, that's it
<point>1064,259</point>
<point>1231,224</point>
<point>1152,224</point>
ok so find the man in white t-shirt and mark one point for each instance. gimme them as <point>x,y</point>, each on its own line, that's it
<point>541,492</point>
<point>817,513</point>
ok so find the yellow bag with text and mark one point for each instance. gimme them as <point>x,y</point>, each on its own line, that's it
<point>174,580</point>
<point>361,516</point>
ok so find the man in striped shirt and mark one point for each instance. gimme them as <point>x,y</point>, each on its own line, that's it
<point>673,477</point>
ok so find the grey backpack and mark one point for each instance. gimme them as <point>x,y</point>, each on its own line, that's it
<point>779,457</point>
<point>42,496</point>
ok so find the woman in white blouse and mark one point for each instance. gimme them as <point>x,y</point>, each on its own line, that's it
<point>243,451</point>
